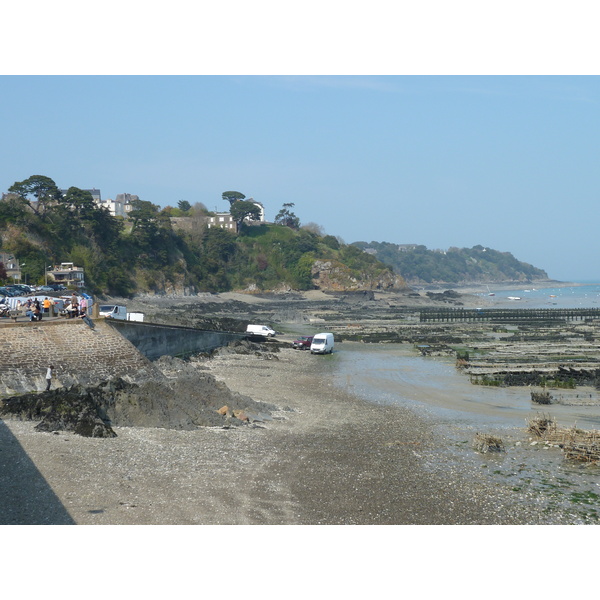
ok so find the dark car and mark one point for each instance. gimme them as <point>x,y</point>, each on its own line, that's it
<point>302,343</point>
<point>20,288</point>
<point>11,293</point>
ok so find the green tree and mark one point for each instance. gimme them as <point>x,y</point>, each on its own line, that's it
<point>144,218</point>
<point>332,242</point>
<point>40,193</point>
<point>13,210</point>
<point>149,233</point>
<point>232,197</point>
<point>184,205</point>
<point>287,218</point>
<point>243,209</point>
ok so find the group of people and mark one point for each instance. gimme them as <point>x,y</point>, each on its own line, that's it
<point>34,308</point>
<point>75,306</point>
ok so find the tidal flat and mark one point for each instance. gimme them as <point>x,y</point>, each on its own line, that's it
<point>376,433</point>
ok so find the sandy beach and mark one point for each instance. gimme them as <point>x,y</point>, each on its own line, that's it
<point>326,457</point>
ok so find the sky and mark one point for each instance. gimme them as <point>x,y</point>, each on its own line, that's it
<point>407,152</point>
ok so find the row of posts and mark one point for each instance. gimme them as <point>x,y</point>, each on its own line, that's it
<point>508,315</point>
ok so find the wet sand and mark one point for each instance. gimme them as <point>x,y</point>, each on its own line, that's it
<point>396,373</point>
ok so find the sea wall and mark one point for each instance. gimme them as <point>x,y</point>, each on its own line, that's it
<point>154,341</point>
<point>79,354</point>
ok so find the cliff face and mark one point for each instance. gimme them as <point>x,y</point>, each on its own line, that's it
<point>332,275</point>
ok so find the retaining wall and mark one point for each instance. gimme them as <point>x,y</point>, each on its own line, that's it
<point>80,354</point>
<point>154,341</point>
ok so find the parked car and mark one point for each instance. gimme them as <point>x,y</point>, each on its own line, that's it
<point>21,288</point>
<point>11,293</point>
<point>302,343</point>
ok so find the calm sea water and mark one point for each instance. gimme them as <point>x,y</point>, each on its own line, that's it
<point>395,374</point>
<point>581,296</point>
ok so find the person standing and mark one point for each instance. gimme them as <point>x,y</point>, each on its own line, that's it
<point>49,377</point>
<point>75,304</point>
<point>47,305</point>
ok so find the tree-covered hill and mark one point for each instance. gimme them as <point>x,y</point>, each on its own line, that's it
<point>42,226</point>
<point>418,265</point>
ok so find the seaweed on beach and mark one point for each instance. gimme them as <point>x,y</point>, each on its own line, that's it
<point>541,425</point>
<point>485,443</point>
<point>543,397</point>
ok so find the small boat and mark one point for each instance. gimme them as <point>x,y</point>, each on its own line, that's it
<point>489,293</point>
<point>514,298</point>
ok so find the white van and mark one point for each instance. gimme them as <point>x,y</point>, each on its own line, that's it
<point>260,330</point>
<point>322,343</point>
<point>113,311</point>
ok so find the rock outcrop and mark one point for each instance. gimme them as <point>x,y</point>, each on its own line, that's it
<point>185,396</point>
<point>332,275</point>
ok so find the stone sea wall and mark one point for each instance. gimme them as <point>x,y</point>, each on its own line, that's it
<point>78,353</point>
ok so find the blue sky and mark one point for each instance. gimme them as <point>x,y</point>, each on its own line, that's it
<point>442,124</point>
<point>509,162</point>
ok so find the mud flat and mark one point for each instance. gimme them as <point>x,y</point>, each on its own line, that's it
<point>325,455</point>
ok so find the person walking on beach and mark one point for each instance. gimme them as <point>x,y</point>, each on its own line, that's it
<point>49,377</point>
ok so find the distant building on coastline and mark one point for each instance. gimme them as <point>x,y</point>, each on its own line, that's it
<point>93,191</point>
<point>68,275</point>
<point>120,207</point>
<point>222,220</point>
<point>11,266</point>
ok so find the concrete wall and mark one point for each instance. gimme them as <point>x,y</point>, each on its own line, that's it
<point>80,355</point>
<point>154,341</point>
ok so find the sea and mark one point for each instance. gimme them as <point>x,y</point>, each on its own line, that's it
<point>433,388</point>
<point>576,295</point>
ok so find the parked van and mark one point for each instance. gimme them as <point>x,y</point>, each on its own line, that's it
<point>113,311</point>
<point>260,330</point>
<point>322,343</point>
